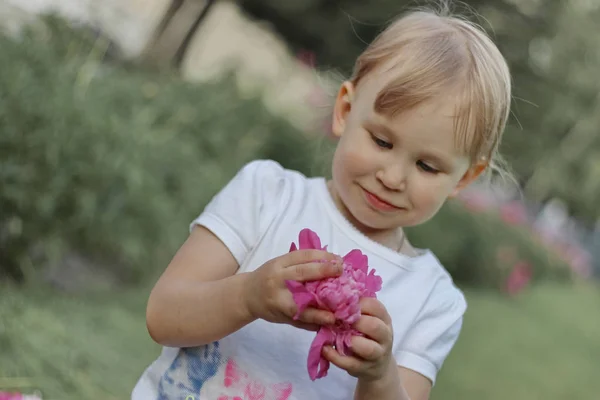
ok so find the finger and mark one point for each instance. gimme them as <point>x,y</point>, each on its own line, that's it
<point>348,363</point>
<point>316,316</point>
<point>305,256</point>
<point>374,328</point>
<point>366,349</point>
<point>372,306</point>
<point>312,271</point>
<point>305,326</point>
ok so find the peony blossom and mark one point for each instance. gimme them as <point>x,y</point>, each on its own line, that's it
<point>340,295</point>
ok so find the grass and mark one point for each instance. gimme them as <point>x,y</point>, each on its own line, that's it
<point>541,345</point>
<point>74,348</point>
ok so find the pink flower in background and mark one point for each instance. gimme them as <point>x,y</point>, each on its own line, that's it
<point>307,57</point>
<point>340,295</point>
<point>475,201</point>
<point>579,259</point>
<point>519,278</point>
<point>17,396</point>
<point>10,396</point>
<point>513,213</point>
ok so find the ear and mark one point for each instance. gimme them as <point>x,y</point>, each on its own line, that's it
<point>343,104</point>
<point>471,175</point>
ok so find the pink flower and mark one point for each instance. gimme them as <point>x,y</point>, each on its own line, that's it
<point>475,201</point>
<point>10,396</point>
<point>519,278</point>
<point>307,58</point>
<point>513,213</point>
<point>340,295</point>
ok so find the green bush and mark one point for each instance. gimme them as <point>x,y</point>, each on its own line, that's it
<point>480,249</point>
<point>111,162</point>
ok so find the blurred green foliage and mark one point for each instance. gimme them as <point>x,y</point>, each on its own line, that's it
<point>114,162</point>
<point>480,249</point>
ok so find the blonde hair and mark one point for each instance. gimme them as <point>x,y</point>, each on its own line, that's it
<point>430,52</point>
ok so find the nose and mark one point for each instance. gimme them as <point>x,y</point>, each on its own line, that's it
<point>392,177</point>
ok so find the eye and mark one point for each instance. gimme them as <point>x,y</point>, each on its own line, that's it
<point>381,143</point>
<point>426,167</point>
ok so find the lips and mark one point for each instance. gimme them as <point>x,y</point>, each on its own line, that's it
<point>378,203</point>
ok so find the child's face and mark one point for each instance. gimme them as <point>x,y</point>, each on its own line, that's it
<point>411,161</point>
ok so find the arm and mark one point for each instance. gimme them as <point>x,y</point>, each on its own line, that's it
<point>198,298</point>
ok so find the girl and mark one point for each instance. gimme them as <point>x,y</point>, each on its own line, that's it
<point>421,118</point>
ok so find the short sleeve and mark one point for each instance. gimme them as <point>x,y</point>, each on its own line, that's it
<point>433,336</point>
<point>239,214</point>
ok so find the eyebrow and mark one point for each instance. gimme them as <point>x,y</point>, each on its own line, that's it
<point>380,126</point>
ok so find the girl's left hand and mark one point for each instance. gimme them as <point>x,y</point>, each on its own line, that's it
<point>372,358</point>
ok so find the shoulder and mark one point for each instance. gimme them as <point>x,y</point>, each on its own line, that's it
<point>269,172</point>
<point>274,184</point>
<point>242,211</point>
<point>261,169</point>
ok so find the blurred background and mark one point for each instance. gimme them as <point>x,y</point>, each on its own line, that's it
<point>120,119</point>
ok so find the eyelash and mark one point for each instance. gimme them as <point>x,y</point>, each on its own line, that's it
<point>381,143</point>
<point>426,168</point>
<point>422,165</point>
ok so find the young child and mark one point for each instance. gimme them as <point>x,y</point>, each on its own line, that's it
<point>421,118</point>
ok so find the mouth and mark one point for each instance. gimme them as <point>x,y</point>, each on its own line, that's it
<point>378,203</point>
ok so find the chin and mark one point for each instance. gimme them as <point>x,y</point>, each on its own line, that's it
<point>370,220</point>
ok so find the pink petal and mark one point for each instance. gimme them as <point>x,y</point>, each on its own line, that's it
<point>293,247</point>
<point>373,283</point>
<point>339,343</point>
<point>357,260</point>
<point>317,364</point>
<point>344,341</point>
<point>309,240</point>
<point>302,297</point>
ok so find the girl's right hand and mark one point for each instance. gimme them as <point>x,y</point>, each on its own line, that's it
<point>268,298</point>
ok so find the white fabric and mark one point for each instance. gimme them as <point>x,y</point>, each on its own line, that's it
<point>257,216</point>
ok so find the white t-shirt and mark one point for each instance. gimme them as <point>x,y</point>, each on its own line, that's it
<point>257,215</point>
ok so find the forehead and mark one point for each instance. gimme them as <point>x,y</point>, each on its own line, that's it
<point>434,118</point>
<point>439,119</point>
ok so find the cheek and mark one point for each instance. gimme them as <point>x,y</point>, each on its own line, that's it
<point>354,155</point>
<point>430,193</point>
